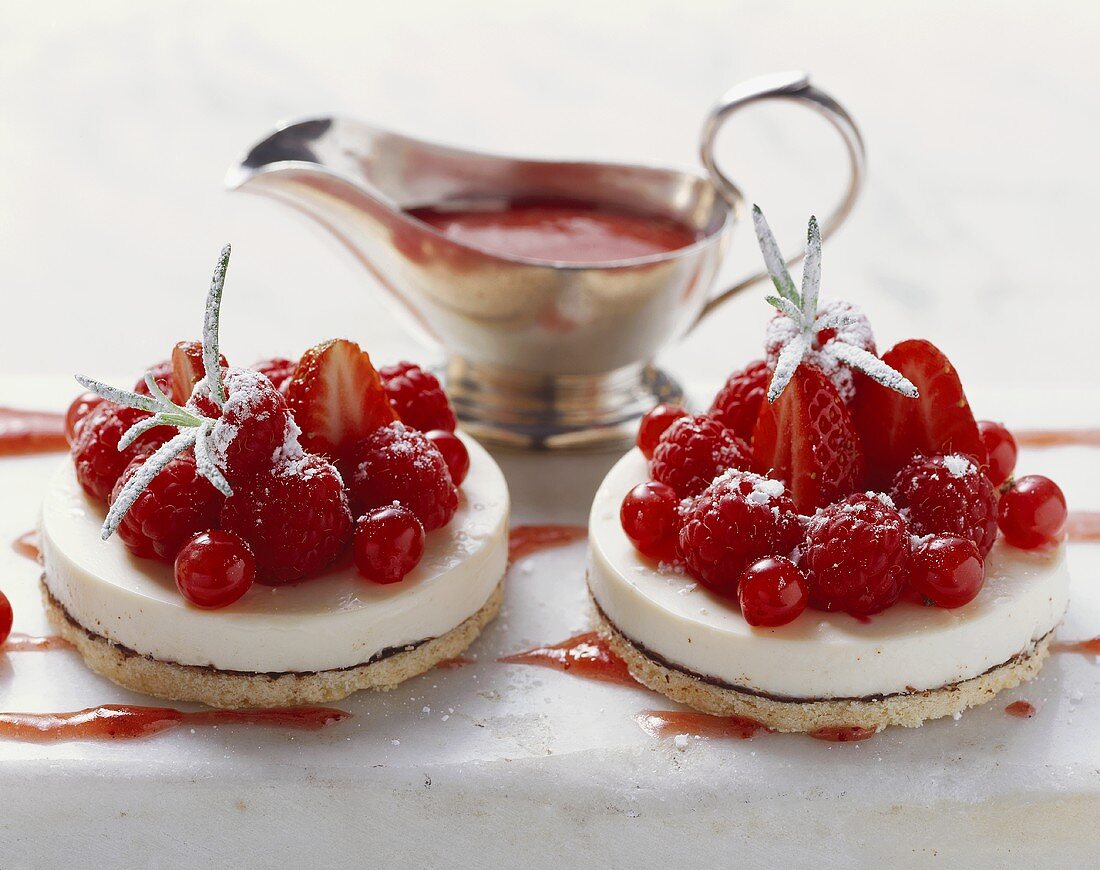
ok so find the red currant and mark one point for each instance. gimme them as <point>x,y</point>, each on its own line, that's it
<point>1000,447</point>
<point>81,407</point>
<point>947,570</point>
<point>214,569</point>
<point>654,424</point>
<point>389,542</point>
<point>650,519</point>
<point>454,453</point>
<point>5,618</point>
<point>772,592</point>
<point>1033,512</point>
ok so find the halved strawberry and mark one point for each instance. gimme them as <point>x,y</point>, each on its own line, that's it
<point>895,428</point>
<point>187,369</point>
<point>807,439</point>
<point>337,398</point>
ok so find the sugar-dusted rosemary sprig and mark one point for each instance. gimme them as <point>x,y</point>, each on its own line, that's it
<point>802,310</point>
<point>194,428</point>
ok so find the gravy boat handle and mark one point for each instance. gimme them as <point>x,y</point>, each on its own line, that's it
<point>794,87</point>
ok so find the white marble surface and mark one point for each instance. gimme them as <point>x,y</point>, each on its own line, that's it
<point>976,229</point>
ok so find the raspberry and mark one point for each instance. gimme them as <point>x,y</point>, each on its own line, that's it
<point>295,518</point>
<point>277,370</point>
<point>740,518</point>
<point>399,464</point>
<point>417,397</point>
<point>948,495</point>
<point>254,424</point>
<point>695,450</point>
<point>737,404</point>
<point>96,457</point>
<point>856,555</point>
<point>177,503</point>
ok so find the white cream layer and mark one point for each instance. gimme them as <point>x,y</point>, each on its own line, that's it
<point>335,620</point>
<point>818,655</point>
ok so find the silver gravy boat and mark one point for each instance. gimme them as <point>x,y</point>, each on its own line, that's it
<point>538,353</point>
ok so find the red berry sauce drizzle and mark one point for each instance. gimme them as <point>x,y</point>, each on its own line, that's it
<point>670,723</point>
<point>585,655</point>
<point>19,642</point>
<point>125,722</point>
<point>1020,709</point>
<point>1084,526</point>
<point>25,432</point>
<point>26,545</point>
<point>525,540</point>
<point>1057,437</point>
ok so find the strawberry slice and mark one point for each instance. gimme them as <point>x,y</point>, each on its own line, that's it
<point>337,398</point>
<point>895,428</point>
<point>187,369</point>
<point>807,439</point>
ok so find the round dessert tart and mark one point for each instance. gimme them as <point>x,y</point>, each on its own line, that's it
<point>309,642</point>
<point>900,667</point>
<point>283,534</point>
<point>836,544</point>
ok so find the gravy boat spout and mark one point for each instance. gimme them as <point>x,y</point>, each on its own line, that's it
<point>538,352</point>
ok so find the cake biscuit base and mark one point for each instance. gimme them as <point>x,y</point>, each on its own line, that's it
<point>909,710</point>
<point>240,690</point>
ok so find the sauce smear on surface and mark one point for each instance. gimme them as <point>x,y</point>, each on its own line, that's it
<point>23,432</point>
<point>1020,709</point>
<point>19,642</point>
<point>1083,526</point>
<point>525,540</point>
<point>585,655</point>
<point>561,231</point>
<point>125,722</point>
<point>670,723</point>
<point>1057,437</point>
<point>27,545</point>
<point>1088,647</point>
<point>843,734</point>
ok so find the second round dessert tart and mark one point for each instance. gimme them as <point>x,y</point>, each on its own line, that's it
<point>837,545</point>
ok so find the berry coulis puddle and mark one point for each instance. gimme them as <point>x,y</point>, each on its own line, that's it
<point>585,655</point>
<point>19,642</point>
<point>1021,709</point>
<point>26,545</point>
<point>26,432</point>
<point>526,540</point>
<point>667,724</point>
<point>129,722</point>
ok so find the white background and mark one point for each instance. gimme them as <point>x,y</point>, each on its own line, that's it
<point>120,120</point>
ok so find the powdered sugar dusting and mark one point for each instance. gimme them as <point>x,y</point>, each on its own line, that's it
<point>958,465</point>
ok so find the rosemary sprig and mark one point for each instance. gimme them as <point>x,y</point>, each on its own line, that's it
<point>194,428</point>
<point>802,310</point>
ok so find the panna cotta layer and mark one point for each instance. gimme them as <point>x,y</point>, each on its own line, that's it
<point>906,648</point>
<point>332,621</point>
